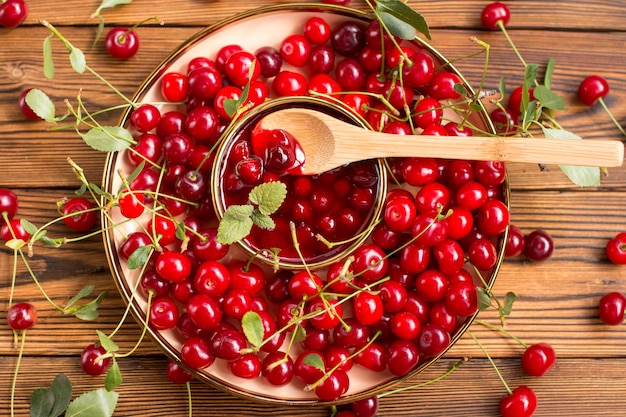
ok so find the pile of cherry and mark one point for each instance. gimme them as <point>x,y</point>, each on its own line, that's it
<point>398,300</point>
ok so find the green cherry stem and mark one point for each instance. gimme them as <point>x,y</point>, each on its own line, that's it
<point>508,38</point>
<point>502,330</point>
<point>490,359</point>
<point>16,371</point>
<point>613,119</point>
<point>449,372</point>
<point>189,399</point>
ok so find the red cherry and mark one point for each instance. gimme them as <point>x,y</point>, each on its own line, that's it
<point>8,203</point>
<point>495,15</point>
<point>611,308</point>
<point>522,402</point>
<point>122,43</point>
<point>26,110</point>
<point>177,374</point>
<point>88,360</point>
<point>79,214</point>
<point>21,316</point>
<point>174,87</point>
<point>538,359</point>
<point>13,13</point>
<point>616,249</point>
<point>592,89</point>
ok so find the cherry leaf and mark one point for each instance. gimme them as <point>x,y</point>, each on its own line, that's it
<point>549,72</point>
<point>235,224</point>
<point>106,4</point>
<point>108,138</point>
<point>399,11</point>
<point>15,244</point>
<point>106,342</point>
<point>96,403</point>
<point>84,292</point>
<point>548,99</point>
<point>113,377</point>
<point>398,27</point>
<point>315,360</point>
<point>61,387</point>
<point>48,61</point>
<point>139,257</point>
<point>268,196</point>
<point>77,59</point>
<point>584,176</point>
<point>89,312</point>
<point>484,299</point>
<point>41,104</point>
<point>230,106</point>
<point>41,402</point>
<point>509,299</point>
<point>253,328</point>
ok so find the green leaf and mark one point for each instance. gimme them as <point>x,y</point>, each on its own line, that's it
<point>77,59</point>
<point>315,360</point>
<point>552,133</point>
<point>398,27</point>
<point>113,378</point>
<point>15,244</point>
<point>299,333</point>
<point>96,403</point>
<point>403,13</point>
<point>583,176</point>
<point>502,88</point>
<point>108,4</point>
<point>548,99</point>
<point>106,342</point>
<point>49,242</point>
<point>547,79</point>
<point>30,228</point>
<point>484,299</point>
<point>235,224</point>
<point>262,220</point>
<point>140,256</point>
<point>41,104</point>
<point>48,61</point>
<point>252,327</point>
<point>41,402</point>
<point>108,138</point>
<point>530,75</point>
<point>62,389</point>
<point>84,292</point>
<point>230,106</point>
<point>268,196</point>
<point>509,299</point>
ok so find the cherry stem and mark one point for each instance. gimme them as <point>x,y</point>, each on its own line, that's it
<point>16,372</point>
<point>508,38</point>
<point>490,359</point>
<point>615,122</point>
<point>453,368</point>
<point>501,330</point>
<point>189,399</point>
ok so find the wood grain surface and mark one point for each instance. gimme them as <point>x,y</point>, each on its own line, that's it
<point>557,299</point>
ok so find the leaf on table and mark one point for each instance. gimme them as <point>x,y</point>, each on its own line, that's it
<point>41,402</point>
<point>96,403</point>
<point>108,138</point>
<point>107,4</point>
<point>548,99</point>
<point>48,61</point>
<point>61,387</point>
<point>41,105</point>
<point>113,377</point>
<point>78,61</point>
<point>584,176</point>
<point>106,342</point>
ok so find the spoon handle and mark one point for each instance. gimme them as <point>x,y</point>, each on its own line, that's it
<point>602,153</point>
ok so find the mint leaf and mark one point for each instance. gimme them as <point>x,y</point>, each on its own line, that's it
<point>252,327</point>
<point>390,10</point>
<point>41,104</point>
<point>108,138</point>
<point>268,196</point>
<point>263,220</point>
<point>96,403</point>
<point>235,225</point>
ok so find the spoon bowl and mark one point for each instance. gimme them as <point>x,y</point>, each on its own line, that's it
<point>329,143</point>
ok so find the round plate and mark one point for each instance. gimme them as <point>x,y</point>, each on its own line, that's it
<point>251,30</point>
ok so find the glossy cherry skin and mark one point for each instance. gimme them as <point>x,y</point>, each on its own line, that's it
<point>79,214</point>
<point>88,360</point>
<point>13,13</point>
<point>516,242</point>
<point>539,246</point>
<point>494,15</point>
<point>611,308</point>
<point>538,359</point>
<point>121,43</point>
<point>177,374</point>
<point>616,249</point>
<point>522,402</point>
<point>8,202</point>
<point>592,88</point>
<point>21,316</point>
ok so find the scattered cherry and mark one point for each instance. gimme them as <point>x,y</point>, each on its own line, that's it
<point>13,13</point>
<point>21,316</point>
<point>616,249</point>
<point>122,43</point>
<point>538,359</point>
<point>522,402</point>
<point>495,15</point>
<point>539,246</point>
<point>611,308</point>
<point>90,363</point>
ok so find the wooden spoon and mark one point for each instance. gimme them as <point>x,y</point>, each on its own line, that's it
<point>328,143</point>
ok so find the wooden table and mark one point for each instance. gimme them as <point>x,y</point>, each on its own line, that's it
<point>557,299</point>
